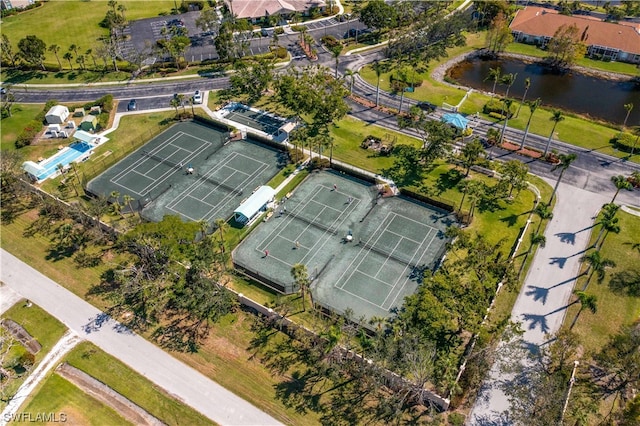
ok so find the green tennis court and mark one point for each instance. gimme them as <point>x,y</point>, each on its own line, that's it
<point>260,120</point>
<point>391,241</point>
<point>190,170</point>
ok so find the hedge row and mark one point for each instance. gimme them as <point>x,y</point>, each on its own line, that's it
<point>625,141</point>
<point>495,105</point>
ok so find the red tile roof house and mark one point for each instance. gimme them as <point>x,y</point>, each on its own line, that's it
<point>607,40</point>
<point>254,10</point>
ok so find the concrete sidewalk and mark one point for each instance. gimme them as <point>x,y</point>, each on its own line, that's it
<point>541,305</point>
<point>178,379</point>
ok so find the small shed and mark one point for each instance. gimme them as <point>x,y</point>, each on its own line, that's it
<point>89,122</point>
<point>254,204</point>
<point>57,114</point>
<point>90,138</point>
<point>78,112</point>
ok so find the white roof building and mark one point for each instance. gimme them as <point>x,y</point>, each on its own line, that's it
<point>57,114</point>
<point>254,204</point>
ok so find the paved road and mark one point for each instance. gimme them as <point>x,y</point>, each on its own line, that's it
<point>542,303</point>
<point>178,379</point>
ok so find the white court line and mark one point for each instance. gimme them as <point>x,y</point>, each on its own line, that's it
<point>418,249</point>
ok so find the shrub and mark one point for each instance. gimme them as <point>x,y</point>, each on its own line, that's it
<point>495,105</point>
<point>496,115</point>
<point>28,133</point>
<point>279,30</point>
<point>298,28</point>
<point>625,141</point>
<point>330,41</point>
<point>280,52</point>
<point>318,163</point>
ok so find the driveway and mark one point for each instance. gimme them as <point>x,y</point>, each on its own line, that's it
<point>542,303</point>
<point>178,379</point>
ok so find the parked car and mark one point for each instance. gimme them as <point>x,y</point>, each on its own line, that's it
<point>3,90</point>
<point>426,106</point>
<point>132,106</point>
<point>197,97</point>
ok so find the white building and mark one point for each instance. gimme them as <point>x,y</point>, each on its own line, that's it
<point>57,114</point>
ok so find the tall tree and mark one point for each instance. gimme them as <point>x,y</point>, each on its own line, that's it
<point>499,34</point>
<point>533,106</point>
<point>351,74</point>
<point>54,48</point>
<point>68,56</point>
<point>628,107</point>
<point>301,280</point>
<point>556,118</point>
<point>543,211</point>
<point>565,47</point>
<point>527,85</point>
<point>470,155</point>
<point>514,174</point>
<point>620,182</point>
<point>587,301</point>
<point>607,225</point>
<point>6,50</point>
<point>597,266</point>
<point>377,68</point>
<point>378,15</point>
<point>32,50</point>
<point>494,75</point>
<point>563,165</point>
<point>506,107</point>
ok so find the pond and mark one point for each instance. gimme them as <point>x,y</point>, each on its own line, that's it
<point>583,94</point>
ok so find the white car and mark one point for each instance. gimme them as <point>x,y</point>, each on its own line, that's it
<point>197,97</point>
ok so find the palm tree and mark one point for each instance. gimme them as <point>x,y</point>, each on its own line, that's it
<point>635,131</point>
<point>537,239</point>
<point>470,155</point>
<point>127,199</point>
<point>527,84</point>
<point>352,75</point>
<point>68,56</point>
<point>115,203</point>
<point>508,80</point>
<point>301,279</point>
<point>607,224</point>
<point>475,192</point>
<point>506,103</point>
<point>588,301</point>
<point>175,102</point>
<point>627,107</point>
<point>222,227</point>
<point>597,265</point>
<point>544,212</point>
<point>620,182</point>
<point>74,48</point>
<point>335,52</point>
<point>80,60</point>
<point>54,48</point>
<point>90,54</point>
<point>494,74</point>
<point>556,118</point>
<point>122,8</point>
<point>378,70</point>
<point>532,108</point>
<point>563,165</point>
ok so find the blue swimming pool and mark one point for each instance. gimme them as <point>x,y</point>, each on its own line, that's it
<point>65,156</point>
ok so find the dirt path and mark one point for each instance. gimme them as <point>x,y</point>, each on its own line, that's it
<point>103,393</point>
<point>64,345</point>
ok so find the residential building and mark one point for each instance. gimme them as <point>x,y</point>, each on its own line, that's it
<point>255,10</point>
<point>604,40</point>
<point>14,4</point>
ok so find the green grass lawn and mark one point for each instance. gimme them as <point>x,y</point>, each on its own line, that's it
<point>42,327</point>
<point>133,386</point>
<point>12,126</point>
<point>73,22</point>
<point>614,310</point>
<point>63,398</point>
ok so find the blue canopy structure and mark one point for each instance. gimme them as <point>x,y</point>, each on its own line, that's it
<point>456,120</point>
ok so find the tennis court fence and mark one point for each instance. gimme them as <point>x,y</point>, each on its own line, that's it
<point>320,226</point>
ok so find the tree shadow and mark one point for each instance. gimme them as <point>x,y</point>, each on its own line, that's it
<point>536,320</point>
<point>448,180</point>
<point>560,261</point>
<point>510,220</point>
<point>538,293</point>
<point>567,237</point>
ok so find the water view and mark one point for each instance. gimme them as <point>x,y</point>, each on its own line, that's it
<point>583,94</point>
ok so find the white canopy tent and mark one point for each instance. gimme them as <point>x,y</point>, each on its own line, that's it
<point>254,204</point>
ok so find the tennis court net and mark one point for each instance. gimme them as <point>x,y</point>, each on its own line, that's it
<point>387,254</point>
<point>219,184</point>
<point>320,226</point>
<point>161,160</point>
